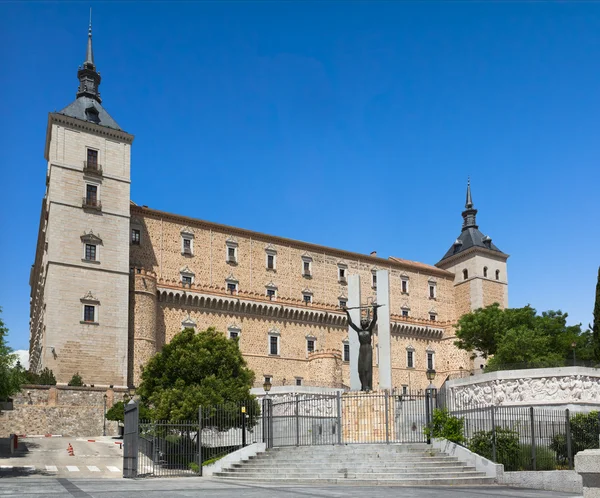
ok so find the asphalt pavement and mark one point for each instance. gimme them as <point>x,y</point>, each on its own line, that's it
<point>36,487</point>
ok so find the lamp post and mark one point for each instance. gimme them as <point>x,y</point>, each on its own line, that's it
<point>574,345</point>
<point>265,412</point>
<point>104,419</point>
<point>429,393</point>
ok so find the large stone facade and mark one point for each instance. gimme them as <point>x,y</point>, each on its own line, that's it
<point>153,273</point>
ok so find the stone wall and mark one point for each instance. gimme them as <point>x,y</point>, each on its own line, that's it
<point>67,411</point>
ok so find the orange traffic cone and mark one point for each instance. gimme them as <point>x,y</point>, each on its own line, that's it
<point>70,450</point>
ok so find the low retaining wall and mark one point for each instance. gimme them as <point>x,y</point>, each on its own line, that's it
<point>64,410</point>
<point>236,456</point>
<point>567,481</point>
<point>587,464</point>
<point>481,464</point>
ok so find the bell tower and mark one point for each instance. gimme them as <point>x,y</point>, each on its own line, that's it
<point>479,267</point>
<point>80,277</point>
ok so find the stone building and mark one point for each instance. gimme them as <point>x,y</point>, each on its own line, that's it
<point>113,281</point>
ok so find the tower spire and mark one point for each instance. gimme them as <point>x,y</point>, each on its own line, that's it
<point>89,78</point>
<point>470,213</point>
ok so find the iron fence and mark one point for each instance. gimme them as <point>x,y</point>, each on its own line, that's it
<point>528,438</point>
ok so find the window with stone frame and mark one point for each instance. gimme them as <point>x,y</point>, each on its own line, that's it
<point>404,285</point>
<point>90,252</point>
<point>307,298</point>
<point>135,236</point>
<point>432,317</point>
<point>405,312</point>
<point>298,381</point>
<point>374,279</point>
<point>89,313</point>
<point>274,345</point>
<point>306,268</point>
<point>91,194</point>
<point>271,293</point>
<point>92,159</point>
<point>430,360</point>
<point>432,290</point>
<point>186,279</point>
<point>342,273</point>
<point>410,358</point>
<point>187,275</point>
<point>270,261</point>
<point>231,287</point>
<point>231,246</point>
<point>310,345</point>
<point>346,352</point>
<point>342,303</point>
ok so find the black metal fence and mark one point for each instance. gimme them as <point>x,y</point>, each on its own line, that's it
<point>529,438</point>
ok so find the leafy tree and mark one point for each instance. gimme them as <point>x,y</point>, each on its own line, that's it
<point>446,426</point>
<point>44,378</point>
<point>506,442</point>
<point>11,376</point>
<point>198,369</point>
<point>595,327</point>
<point>117,412</point>
<point>76,380</point>
<point>585,431</point>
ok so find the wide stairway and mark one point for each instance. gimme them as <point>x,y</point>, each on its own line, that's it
<point>394,464</point>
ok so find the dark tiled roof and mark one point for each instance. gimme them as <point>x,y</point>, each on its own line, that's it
<point>80,109</point>
<point>470,237</point>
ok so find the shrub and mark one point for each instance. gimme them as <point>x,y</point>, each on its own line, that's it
<point>507,446</point>
<point>212,460</point>
<point>446,426</point>
<point>76,380</point>
<point>194,467</point>
<point>44,378</point>
<point>117,412</point>
<point>585,431</point>
<point>545,458</point>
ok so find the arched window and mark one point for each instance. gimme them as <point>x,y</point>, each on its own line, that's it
<point>497,274</point>
<point>485,271</point>
<point>465,274</point>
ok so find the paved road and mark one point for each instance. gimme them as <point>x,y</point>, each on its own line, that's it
<point>34,487</point>
<point>49,457</point>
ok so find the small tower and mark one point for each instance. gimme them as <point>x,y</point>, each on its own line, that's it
<point>479,267</point>
<point>80,277</point>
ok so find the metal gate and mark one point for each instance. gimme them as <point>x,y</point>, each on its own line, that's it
<point>318,419</point>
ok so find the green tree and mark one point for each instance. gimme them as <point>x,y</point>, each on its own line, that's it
<point>76,380</point>
<point>196,369</point>
<point>44,378</point>
<point>11,375</point>
<point>117,412</point>
<point>446,426</point>
<point>595,327</point>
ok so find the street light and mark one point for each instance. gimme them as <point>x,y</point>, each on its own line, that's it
<point>267,385</point>
<point>430,377</point>
<point>266,414</point>
<point>574,345</point>
<point>429,394</point>
<point>104,420</point>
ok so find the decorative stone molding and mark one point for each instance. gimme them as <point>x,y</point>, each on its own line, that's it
<point>188,323</point>
<point>187,232</point>
<point>546,386</point>
<point>89,298</point>
<point>91,238</point>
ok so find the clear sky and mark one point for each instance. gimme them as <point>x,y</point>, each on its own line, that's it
<point>348,124</point>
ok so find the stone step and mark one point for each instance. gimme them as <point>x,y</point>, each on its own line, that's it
<point>387,481</point>
<point>359,475</point>
<point>350,460</point>
<point>354,472</point>
<point>337,463</point>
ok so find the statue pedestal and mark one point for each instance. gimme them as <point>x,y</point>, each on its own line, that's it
<point>368,417</point>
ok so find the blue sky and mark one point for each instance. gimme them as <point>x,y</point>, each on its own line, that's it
<point>347,124</point>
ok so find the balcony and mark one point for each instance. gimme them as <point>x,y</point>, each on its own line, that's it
<point>92,168</point>
<point>91,203</point>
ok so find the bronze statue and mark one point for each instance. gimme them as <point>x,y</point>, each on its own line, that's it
<point>365,353</point>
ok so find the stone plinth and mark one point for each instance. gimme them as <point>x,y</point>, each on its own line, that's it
<point>364,417</point>
<point>587,464</point>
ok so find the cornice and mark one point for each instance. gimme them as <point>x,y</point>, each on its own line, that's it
<point>461,256</point>
<point>282,241</point>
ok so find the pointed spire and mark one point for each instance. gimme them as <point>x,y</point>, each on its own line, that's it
<point>469,203</point>
<point>89,78</point>
<point>470,213</point>
<point>89,59</point>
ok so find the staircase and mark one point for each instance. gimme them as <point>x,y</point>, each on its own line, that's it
<point>394,464</point>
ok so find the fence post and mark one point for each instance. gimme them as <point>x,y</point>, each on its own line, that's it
<point>569,444</point>
<point>533,462</point>
<point>264,422</point>
<point>387,417</point>
<point>494,456</point>
<point>427,424</point>
<point>270,406</point>
<point>130,439</point>
<point>297,421</point>
<point>243,412</point>
<point>339,416</point>
<point>200,439</point>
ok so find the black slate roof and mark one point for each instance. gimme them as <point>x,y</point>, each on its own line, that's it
<point>88,109</point>
<point>470,237</point>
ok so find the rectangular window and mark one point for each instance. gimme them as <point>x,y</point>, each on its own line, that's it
<point>404,390</point>
<point>187,244</point>
<point>374,283</point>
<point>92,159</point>
<point>431,291</point>
<point>298,382</point>
<point>273,345</point>
<point>90,252</point>
<point>270,261</point>
<point>89,313</point>
<point>346,352</point>
<point>268,379</point>
<point>405,313</point>
<point>231,254</point>
<point>270,293</point>
<point>343,303</point>
<point>307,298</point>
<point>186,280</point>
<point>135,236</point>
<point>307,268</point>
<point>91,195</point>
<point>231,287</point>
<point>404,286</point>
<point>429,361</point>
<point>432,317</point>
<point>310,345</point>
<point>233,334</point>
<point>410,362</point>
